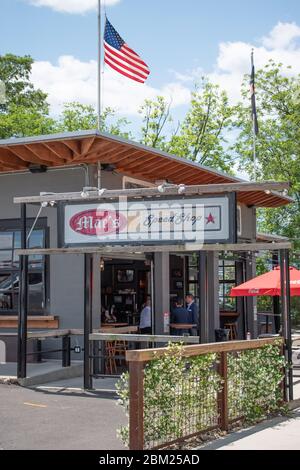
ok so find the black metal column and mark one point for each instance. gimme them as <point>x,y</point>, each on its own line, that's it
<point>88,312</point>
<point>288,323</point>
<point>285,312</point>
<point>202,289</point>
<point>23,301</point>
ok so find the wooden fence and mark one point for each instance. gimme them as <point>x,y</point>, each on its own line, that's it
<point>222,412</point>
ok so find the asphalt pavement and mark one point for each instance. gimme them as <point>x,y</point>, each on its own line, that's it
<point>58,420</point>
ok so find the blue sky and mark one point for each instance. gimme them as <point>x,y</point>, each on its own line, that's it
<point>179,41</point>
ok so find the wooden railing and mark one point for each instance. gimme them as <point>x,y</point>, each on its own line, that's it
<point>225,353</point>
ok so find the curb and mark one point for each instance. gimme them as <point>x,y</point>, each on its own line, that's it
<point>70,372</point>
<point>294,404</point>
<point>8,380</point>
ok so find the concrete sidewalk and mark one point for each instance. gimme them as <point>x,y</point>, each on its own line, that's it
<point>282,433</point>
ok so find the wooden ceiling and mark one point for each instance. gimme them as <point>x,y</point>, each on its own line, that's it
<point>128,158</point>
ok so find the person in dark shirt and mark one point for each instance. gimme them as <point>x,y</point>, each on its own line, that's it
<point>193,311</point>
<point>180,315</point>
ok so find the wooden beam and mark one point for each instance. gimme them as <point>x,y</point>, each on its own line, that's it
<point>11,161</point>
<point>105,249</point>
<point>45,154</point>
<point>115,156</point>
<point>206,178</point>
<point>145,355</point>
<point>60,150</point>
<point>86,145</point>
<point>150,163</point>
<point>170,190</point>
<point>130,160</point>
<point>96,151</point>
<point>73,145</point>
<point>26,155</point>
<point>182,174</point>
<point>143,338</point>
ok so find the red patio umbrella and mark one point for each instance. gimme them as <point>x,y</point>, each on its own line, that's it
<point>267,284</point>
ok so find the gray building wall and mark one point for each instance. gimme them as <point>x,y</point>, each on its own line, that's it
<point>66,271</point>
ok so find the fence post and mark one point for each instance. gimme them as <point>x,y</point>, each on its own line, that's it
<point>136,405</point>
<point>223,395</point>
<point>66,351</point>
<point>283,383</point>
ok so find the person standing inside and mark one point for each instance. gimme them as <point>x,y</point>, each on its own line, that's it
<point>192,308</point>
<point>180,315</point>
<point>145,319</point>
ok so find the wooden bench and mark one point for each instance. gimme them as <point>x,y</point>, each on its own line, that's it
<point>34,321</point>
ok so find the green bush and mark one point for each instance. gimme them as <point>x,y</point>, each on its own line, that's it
<point>181,394</point>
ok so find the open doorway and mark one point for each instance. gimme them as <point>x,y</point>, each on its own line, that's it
<point>125,287</point>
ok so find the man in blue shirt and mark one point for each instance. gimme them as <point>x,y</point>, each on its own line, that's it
<point>180,315</point>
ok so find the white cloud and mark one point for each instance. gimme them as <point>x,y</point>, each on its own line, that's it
<point>233,60</point>
<point>73,80</point>
<point>282,36</point>
<point>70,6</point>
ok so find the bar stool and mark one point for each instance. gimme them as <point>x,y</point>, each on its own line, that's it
<point>120,350</point>
<point>110,361</point>
<point>232,330</point>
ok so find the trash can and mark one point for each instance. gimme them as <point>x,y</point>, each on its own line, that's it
<point>221,335</point>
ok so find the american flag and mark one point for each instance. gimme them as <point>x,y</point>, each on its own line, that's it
<point>121,58</point>
<point>253,98</point>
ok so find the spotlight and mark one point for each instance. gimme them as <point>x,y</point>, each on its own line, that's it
<point>52,203</point>
<point>84,194</point>
<point>37,168</point>
<point>101,191</point>
<point>161,188</point>
<point>285,192</point>
<point>44,204</point>
<point>267,191</point>
<point>102,264</point>
<point>181,189</point>
<point>108,167</point>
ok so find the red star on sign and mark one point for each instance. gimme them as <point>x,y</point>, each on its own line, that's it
<point>210,219</point>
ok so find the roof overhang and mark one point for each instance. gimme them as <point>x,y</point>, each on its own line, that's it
<point>129,158</point>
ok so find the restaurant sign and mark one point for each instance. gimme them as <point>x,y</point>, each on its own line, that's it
<point>150,221</point>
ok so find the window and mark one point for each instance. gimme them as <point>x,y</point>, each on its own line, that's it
<point>10,240</point>
<point>227,280</point>
<point>193,275</point>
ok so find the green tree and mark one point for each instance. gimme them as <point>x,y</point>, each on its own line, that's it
<point>202,137</point>
<point>278,142</point>
<point>78,117</point>
<point>25,110</point>
<point>155,116</point>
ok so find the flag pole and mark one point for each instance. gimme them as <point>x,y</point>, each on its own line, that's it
<point>99,62</point>
<point>254,128</point>
<point>99,65</point>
